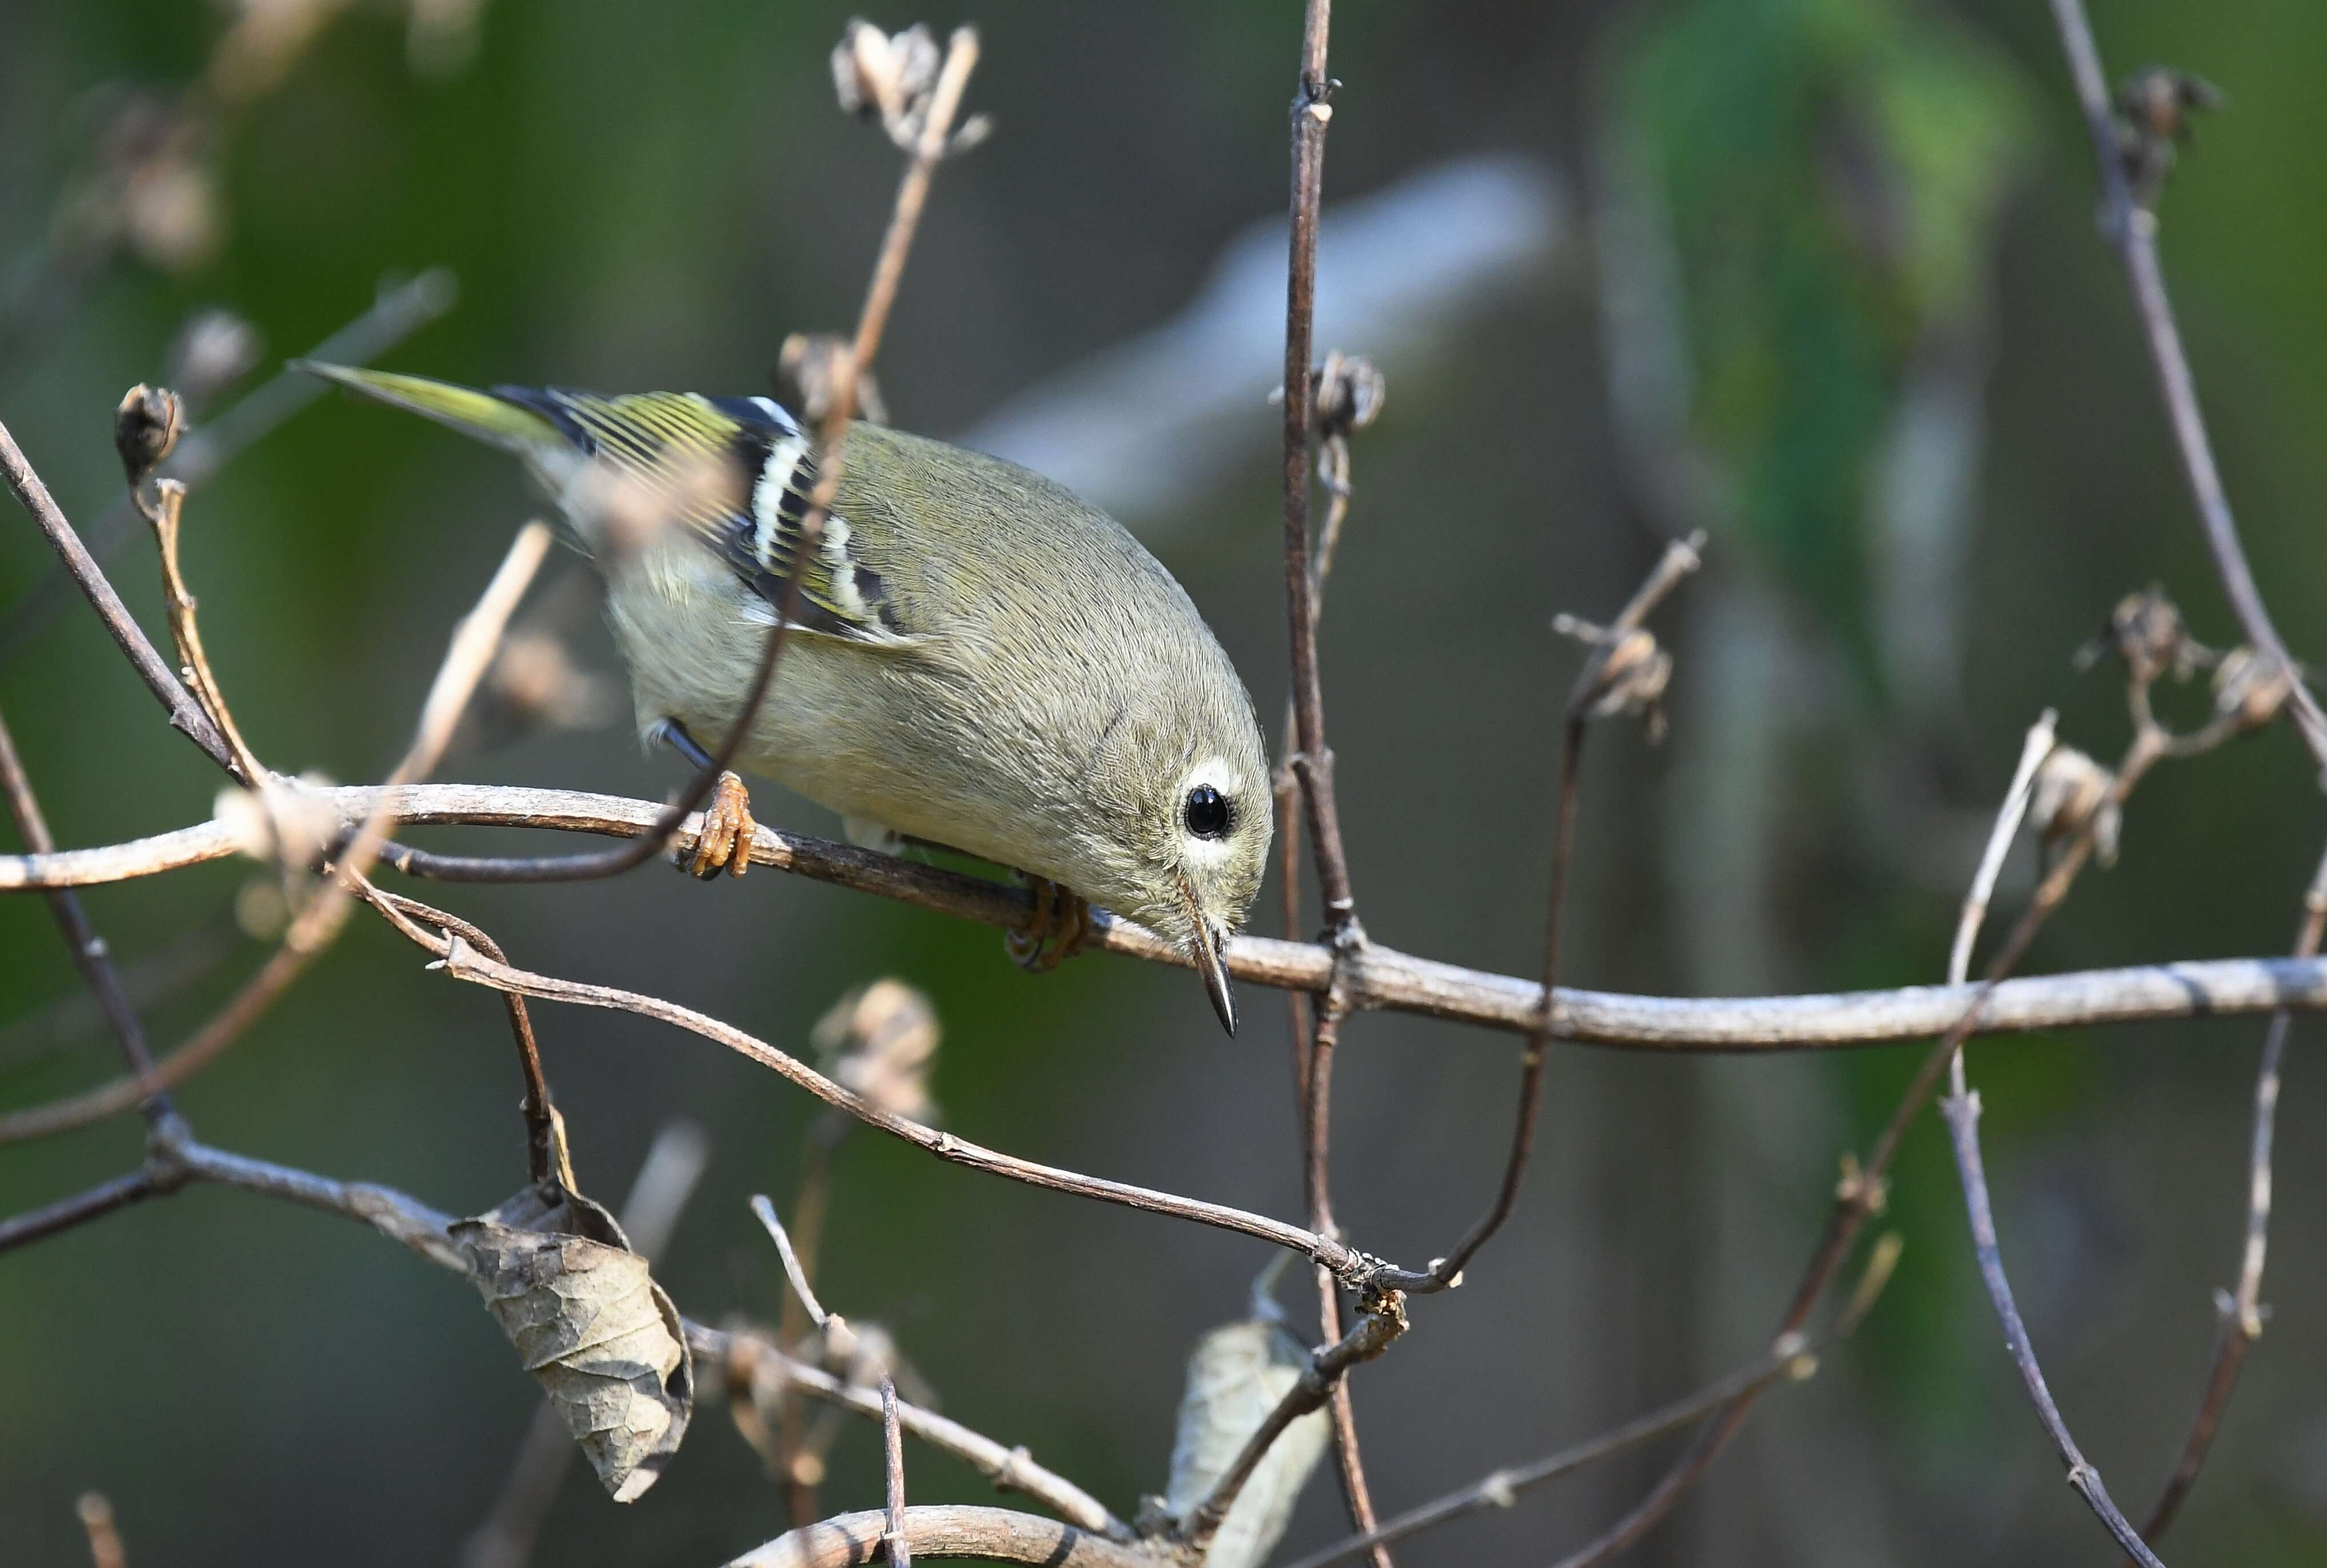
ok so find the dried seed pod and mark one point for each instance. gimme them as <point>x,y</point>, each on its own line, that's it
<point>1350,393</point>
<point>145,427</point>
<point>2070,787</point>
<point>2251,686</point>
<point>2147,631</point>
<point>1238,1374</point>
<point>880,1043</point>
<point>1630,678</point>
<point>874,73</point>
<point>601,1336</point>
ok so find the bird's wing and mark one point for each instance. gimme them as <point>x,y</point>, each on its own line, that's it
<point>737,471</point>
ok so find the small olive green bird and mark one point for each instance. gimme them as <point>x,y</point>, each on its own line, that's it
<point>981,661</point>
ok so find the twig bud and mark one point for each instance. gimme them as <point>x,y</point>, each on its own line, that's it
<point>2250,687</point>
<point>145,428</point>
<point>2069,789</point>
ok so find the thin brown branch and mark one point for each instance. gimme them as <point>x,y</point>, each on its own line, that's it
<point>1585,699</point>
<point>90,953</point>
<point>97,1201</point>
<point>806,1293</point>
<point>460,961</point>
<point>1377,977</point>
<point>2132,231</point>
<point>1962,1113</point>
<point>185,714</point>
<point>1312,762</point>
<point>1960,1107</point>
<point>545,1139</point>
<point>949,1530</point>
<point>2242,1312</point>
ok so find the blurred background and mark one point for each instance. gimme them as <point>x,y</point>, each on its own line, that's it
<point>1818,275</point>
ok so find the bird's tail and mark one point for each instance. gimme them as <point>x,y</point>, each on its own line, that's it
<point>480,415</point>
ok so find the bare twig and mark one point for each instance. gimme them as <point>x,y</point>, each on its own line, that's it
<point>185,714</point>
<point>892,1451</point>
<point>2242,1312</point>
<point>97,1201</point>
<point>90,955</point>
<point>1960,1107</point>
<point>2132,232</point>
<point>766,1211</point>
<point>1379,977</point>
<point>1962,1112</point>
<point>185,631</point>
<point>460,961</point>
<point>949,1530</point>
<point>1312,763</point>
<point>1587,697</point>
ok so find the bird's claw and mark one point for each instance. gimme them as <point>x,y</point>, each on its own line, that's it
<point>1054,932</point>
<point>726,841</point>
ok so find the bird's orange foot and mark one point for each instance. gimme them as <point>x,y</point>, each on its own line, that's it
<point>726,841</point>
<point>1054,932</point>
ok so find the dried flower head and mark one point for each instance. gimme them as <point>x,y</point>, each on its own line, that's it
<point>533,683</point>
<point>2069,789</point>
<point>813,363</point>
<point>880,1042</point>
<point>2251,686</point>
<point>875,74</point>
<point>1629,677</point>
<point>2147,631</point>
<point>212,350</point>
<point>2156,111</point>
<point>1350,393</point>
<point>145,426</point>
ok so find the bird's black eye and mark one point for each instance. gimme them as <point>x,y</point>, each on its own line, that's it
<point>1206,813</point>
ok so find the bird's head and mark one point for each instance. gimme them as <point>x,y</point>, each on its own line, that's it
<point>1186,784</point>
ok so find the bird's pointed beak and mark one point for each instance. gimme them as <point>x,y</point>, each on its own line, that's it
<point>1211,962</point>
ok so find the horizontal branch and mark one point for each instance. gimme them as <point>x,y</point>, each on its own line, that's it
<point>1375,976</point>
<point>995,1534</point>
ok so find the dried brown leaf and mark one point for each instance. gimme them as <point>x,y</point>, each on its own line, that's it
<point>601,1336</point>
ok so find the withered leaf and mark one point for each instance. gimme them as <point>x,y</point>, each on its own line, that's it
<point>1237,1375</point>
<point>601,1336</point>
